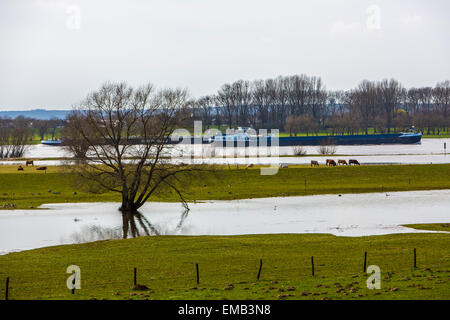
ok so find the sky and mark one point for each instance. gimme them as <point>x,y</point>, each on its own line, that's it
<point>54,52</point>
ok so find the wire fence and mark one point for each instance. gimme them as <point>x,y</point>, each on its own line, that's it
<point>202,274</point>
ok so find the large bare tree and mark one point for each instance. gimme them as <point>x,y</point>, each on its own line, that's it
<point>126,132</point>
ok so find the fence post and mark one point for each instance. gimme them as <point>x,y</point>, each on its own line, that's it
<point>312,265</point>
<point>73,282</point>
<point>198,276</point>
<point>135,276</point>
<point>415,258</point>
<point>259,271</point>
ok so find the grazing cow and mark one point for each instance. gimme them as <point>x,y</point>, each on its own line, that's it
<point>353,161</point>
<point>343,162</point>
<point>283,165</point>
<point>41,168</point>
<point>250,165</point>
<point>314,163</point>
<point>330,162</point>
<point>29,162</point>
<point>20,168</point>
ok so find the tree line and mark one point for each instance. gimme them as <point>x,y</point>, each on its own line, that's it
<point>17,133</point>
<point>294,104</point>
<point>301,103</point>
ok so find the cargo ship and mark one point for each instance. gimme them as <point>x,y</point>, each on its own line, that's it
<point>248,140</point>
<point>50,142</point>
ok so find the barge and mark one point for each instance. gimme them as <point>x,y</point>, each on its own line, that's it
<point>370,139</point>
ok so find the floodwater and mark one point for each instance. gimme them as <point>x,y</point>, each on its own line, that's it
<point>428,151</point>
<point>346,215</point>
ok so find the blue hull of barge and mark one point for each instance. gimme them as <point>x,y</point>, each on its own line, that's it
<point>400,138</point>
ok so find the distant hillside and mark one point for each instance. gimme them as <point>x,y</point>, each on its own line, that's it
<point>37,114</point>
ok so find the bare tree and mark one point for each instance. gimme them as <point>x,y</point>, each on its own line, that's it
<point>327,147</point>
<point>53,125</point>
<point>441,95</point>
<point>127,131</point>
<point>42,126</point>
<point>390,95</point>
<point>74,142</point>
<point>204,108</point>
<point>14,137</point>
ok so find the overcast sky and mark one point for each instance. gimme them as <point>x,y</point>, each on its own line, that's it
<point>52,53</point>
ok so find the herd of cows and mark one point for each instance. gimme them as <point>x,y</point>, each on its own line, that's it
<point>31,163</point>
<point>314,163</point>
<point>329,162</point>
<point>332,163</point>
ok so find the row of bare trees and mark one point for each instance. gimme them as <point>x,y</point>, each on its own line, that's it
<point>263,103</point>
<point>46,127</point>
<point>14,137</point>
<point>301,103</point>
<point>17,134</point>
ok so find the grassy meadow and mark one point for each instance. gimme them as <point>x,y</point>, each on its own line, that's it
<point>229,264</point>
<point>228,267</point>
<point>29,189</point>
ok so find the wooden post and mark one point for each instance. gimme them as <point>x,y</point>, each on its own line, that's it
<point>259,271</point>
<point>312,265</point>
<point>365,261</point>
<point>7,288</point>
<point>73,282</point>
<point>198,276</point>
<point>135,276</point>
<point>415,259</point>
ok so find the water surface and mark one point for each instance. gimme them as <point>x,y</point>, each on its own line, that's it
<point>346,215</point>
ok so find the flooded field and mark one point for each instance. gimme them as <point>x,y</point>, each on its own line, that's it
<point>429,151</point>
<point>346,215</point>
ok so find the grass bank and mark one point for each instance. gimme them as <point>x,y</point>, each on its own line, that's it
<point>31,188</point>
<point>228,266</point>
<point>430,226</point>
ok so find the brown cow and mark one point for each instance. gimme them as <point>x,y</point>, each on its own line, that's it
<point>250,165</point>
<point>330,162</point>
<point>41,168</point>
<point>314,163</point>
<point>29,162</point>
<point>353,161</point>
<point>20,168</point>
<point>343,162</point>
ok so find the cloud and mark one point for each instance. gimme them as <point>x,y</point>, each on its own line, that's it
<point>412,19</point>
<point>51,4</point>
<point>342,28</point>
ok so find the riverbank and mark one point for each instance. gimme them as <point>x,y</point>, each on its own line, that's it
<point>228,267</point>
<point>30,188</point>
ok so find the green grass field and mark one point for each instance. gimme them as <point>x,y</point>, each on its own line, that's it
<point>229,264</point>
<point>431,226</point>
<point>31,188</point>
<point>228,267</point>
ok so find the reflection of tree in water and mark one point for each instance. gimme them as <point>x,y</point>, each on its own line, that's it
<point>130,222</point>
<point>133,225</point>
